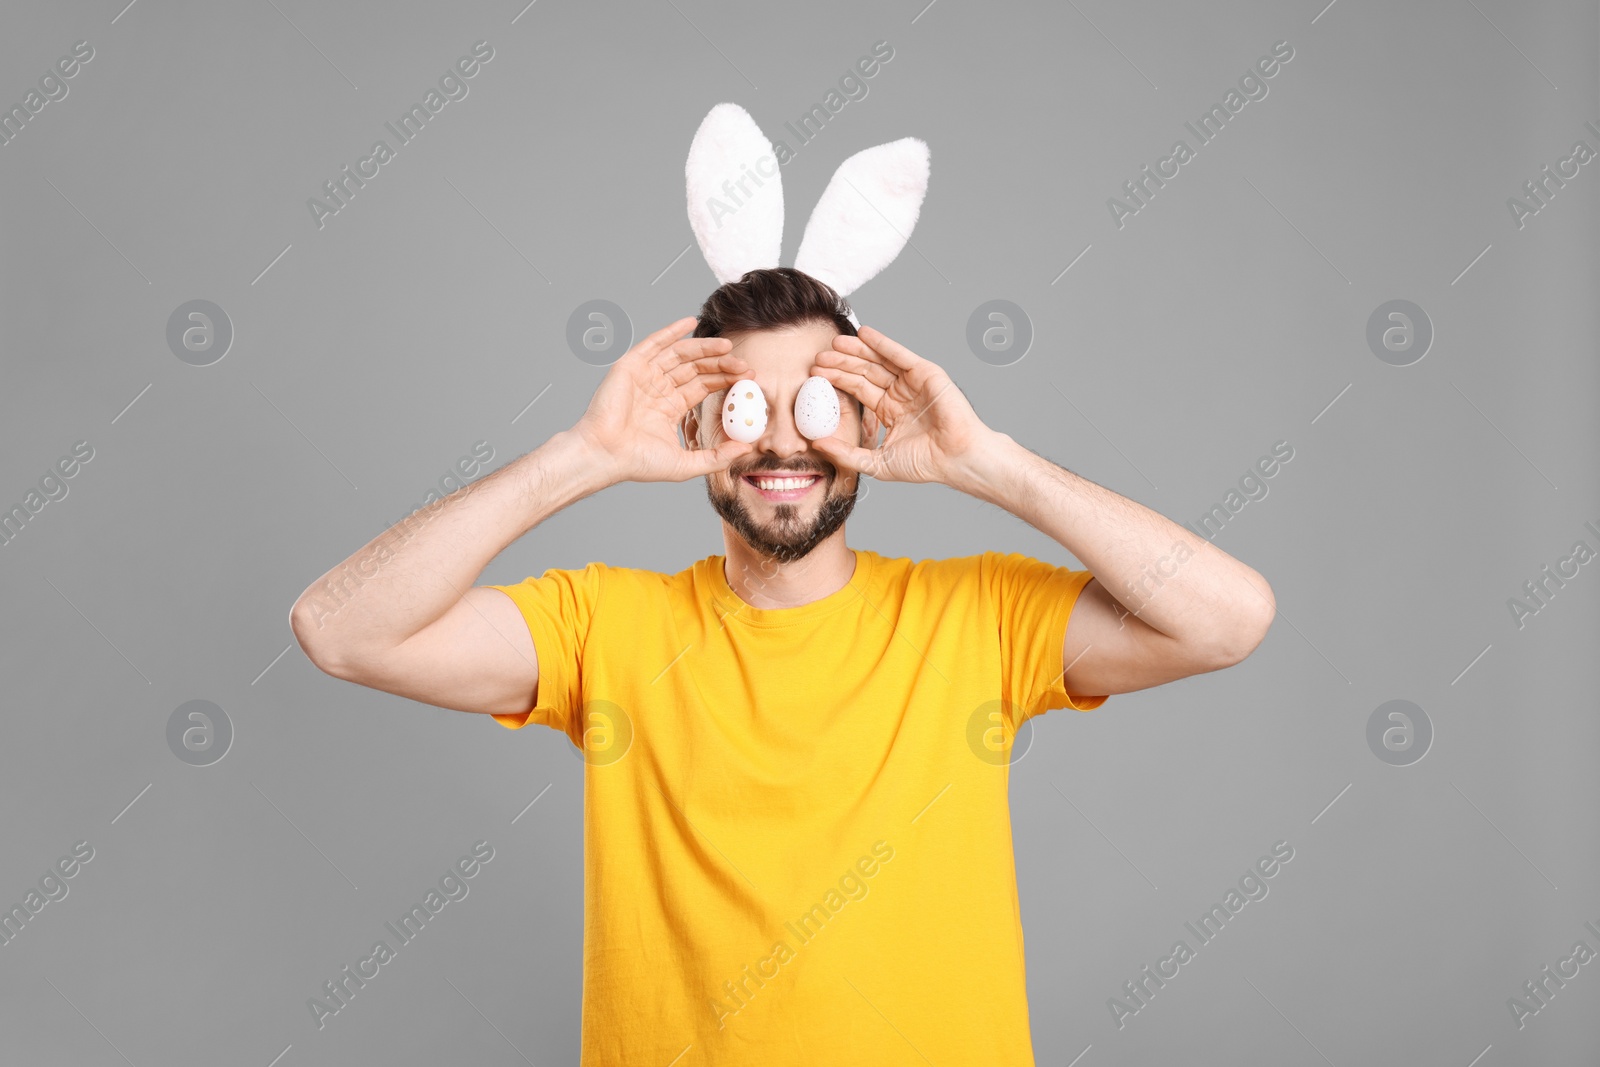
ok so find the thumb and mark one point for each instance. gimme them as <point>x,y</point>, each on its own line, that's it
<point>703,461</point>
<point>854,457</point>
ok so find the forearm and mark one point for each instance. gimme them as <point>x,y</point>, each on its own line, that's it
<point>1176,582</point>
<point>409,575</point>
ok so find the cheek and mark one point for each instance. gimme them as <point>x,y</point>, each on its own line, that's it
<point>711,431</point>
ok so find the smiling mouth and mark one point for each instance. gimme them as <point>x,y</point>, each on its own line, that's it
<point>782,487</point>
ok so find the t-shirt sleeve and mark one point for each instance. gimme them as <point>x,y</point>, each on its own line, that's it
<point>1033,601</point>
<point>557,606</point>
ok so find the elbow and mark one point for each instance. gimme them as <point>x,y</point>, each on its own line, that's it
<point>307,620</point>
<point>1249,626</point>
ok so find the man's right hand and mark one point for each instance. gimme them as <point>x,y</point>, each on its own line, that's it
<point>633,419</point>
<point>422,630</point>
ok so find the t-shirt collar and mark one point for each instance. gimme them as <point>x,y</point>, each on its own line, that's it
<point>732,606</point>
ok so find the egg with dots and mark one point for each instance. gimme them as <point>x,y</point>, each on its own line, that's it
<point>744,411</point>
<point>816,408</point>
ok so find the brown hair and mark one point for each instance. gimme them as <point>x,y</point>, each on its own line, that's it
<point>771,299</point>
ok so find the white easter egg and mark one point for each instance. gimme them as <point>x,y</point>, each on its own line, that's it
<point>744,411</point>
<point>816,408</point>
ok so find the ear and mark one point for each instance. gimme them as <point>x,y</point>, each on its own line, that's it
<point>689,426</point>
<point>866,214</point>
<point>739,226</point>
<point>869,428</point>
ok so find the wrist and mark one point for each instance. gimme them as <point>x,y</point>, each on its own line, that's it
<point>982,471</point>
<point>573,458</point>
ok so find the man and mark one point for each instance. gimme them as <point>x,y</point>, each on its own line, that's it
<point>797,838</point>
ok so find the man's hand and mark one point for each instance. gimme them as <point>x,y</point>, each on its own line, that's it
<point>933,432</point>
<point>632,420</point>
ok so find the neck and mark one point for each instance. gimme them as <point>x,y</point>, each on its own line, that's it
<point>763,582</point>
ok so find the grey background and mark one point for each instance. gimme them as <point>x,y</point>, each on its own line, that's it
<point>368,356</point>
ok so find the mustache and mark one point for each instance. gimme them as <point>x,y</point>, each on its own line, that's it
<point>775,466</point>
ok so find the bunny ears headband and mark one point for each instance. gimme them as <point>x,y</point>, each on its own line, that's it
<point>860,224</point>
<point>862,221</point>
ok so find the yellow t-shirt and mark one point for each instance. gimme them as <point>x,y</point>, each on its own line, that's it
<point>797,840</point>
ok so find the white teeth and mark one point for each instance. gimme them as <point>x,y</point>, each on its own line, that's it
<point>783,483</point>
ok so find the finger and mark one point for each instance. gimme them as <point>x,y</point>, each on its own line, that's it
<point>703,461</point>
<point>661,386</point>
<point>881,376</point>
<point>855,346</point>
<point>870,395</point>
<point>704,385</point>
<point>743,341</point>
<point>870,425</point>
<point>665,336</point>
<point>844,454</point>
<point>690,348</point>
<point>686,370</point>
<point>890,349</point>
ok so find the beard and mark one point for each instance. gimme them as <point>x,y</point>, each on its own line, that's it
<point>787,537</point>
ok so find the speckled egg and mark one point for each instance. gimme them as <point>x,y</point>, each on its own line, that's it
<point>744,411</point>
<point>816,408</point>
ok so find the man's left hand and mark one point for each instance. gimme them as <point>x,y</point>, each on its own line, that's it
<point>933,435</point>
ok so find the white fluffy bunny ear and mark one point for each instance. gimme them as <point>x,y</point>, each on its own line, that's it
<point>865,215</point>
<point>735,205</point>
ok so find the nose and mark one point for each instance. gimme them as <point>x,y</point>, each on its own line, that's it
<point>782,437</point>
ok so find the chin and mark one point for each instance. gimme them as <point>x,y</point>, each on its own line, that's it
<point>786,530</point>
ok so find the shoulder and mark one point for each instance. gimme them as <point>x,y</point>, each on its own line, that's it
<point>594,579</point>
<point>638,583</point>
<point>942,572</point>
<point>992,575</point>
<point>627,582</point>
<point>958,568</point>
